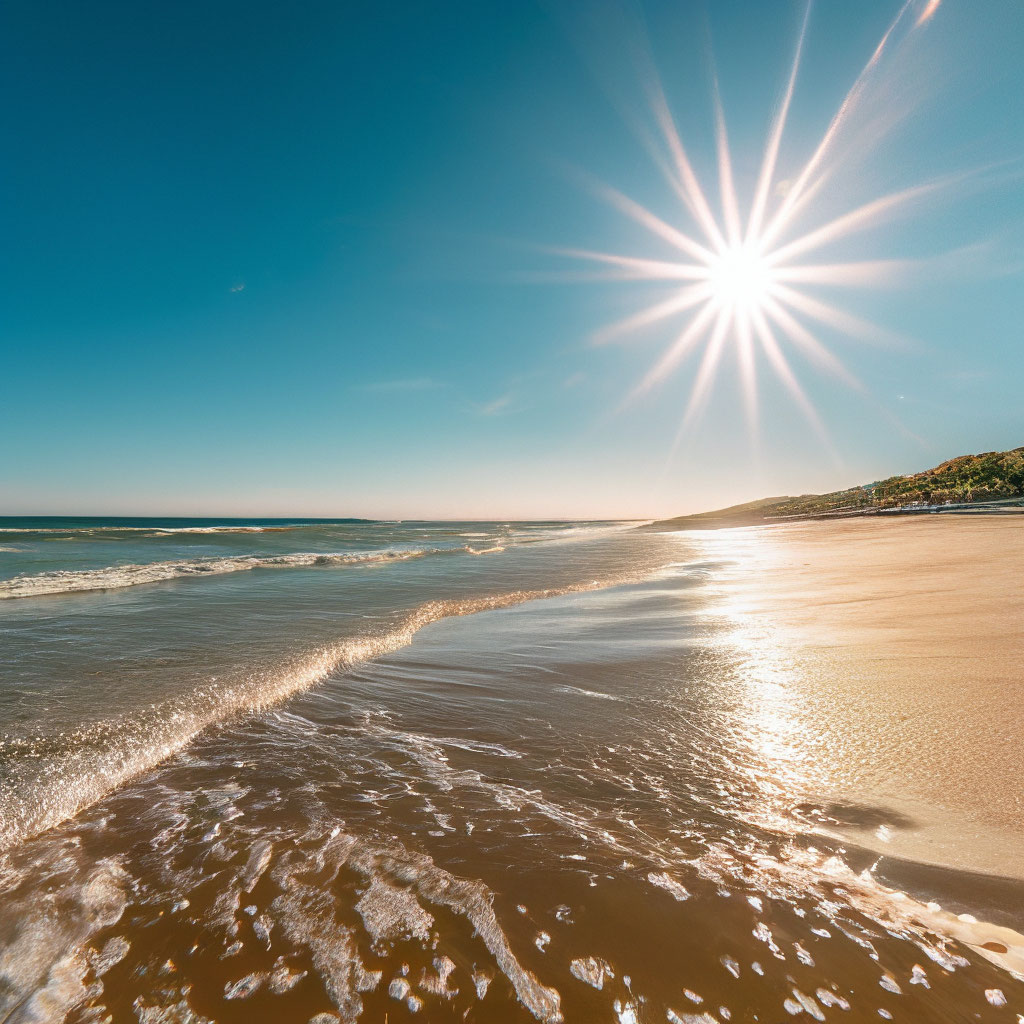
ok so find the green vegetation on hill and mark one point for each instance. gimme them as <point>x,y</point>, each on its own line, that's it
<point>969,479</point>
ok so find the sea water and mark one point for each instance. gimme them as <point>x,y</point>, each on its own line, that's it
<point>270,770</point>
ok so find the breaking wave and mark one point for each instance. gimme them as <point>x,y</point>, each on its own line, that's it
<point>116,577</point>
<point>51,778</point>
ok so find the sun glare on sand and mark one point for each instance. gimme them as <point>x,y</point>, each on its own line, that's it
<point>742,280</point>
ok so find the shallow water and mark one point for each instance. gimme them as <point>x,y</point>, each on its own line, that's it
<point>574,778</point>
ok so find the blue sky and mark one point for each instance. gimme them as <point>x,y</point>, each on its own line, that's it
<point>264,259</point>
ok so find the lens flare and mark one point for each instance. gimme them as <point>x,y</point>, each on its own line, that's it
<point>740,280</point>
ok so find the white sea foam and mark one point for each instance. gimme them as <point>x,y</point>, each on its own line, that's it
<point>587,693</point>
<point>43,966</point>
<point>800,872</point>
<point>116,577</point>
<point>593,970</point>
<point>218,529</point>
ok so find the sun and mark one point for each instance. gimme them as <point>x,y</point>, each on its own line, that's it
<point>740,280</point>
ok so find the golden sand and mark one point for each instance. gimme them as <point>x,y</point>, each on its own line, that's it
<point>901,644</point>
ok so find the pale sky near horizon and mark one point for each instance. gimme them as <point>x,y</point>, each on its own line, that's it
<point>305,259</point>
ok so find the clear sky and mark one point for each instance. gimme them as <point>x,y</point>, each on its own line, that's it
<point>303,258</point>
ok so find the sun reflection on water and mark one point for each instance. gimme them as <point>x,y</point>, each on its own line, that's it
<point>775,748</point>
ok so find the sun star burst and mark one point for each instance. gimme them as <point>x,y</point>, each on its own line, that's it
<point>740,282</point>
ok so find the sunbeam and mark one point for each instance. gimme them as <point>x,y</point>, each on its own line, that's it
<point>771,152</point>
<point>743,278</point>
<point>799,194</point>
<point>687,298</point>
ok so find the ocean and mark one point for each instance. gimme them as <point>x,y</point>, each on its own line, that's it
<point>321,770</point>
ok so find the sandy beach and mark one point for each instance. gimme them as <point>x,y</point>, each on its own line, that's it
<point>902,642</point>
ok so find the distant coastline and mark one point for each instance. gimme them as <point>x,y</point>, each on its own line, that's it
<point>991,483</point>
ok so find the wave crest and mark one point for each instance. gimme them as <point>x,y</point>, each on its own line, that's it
<point>116,577</point>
